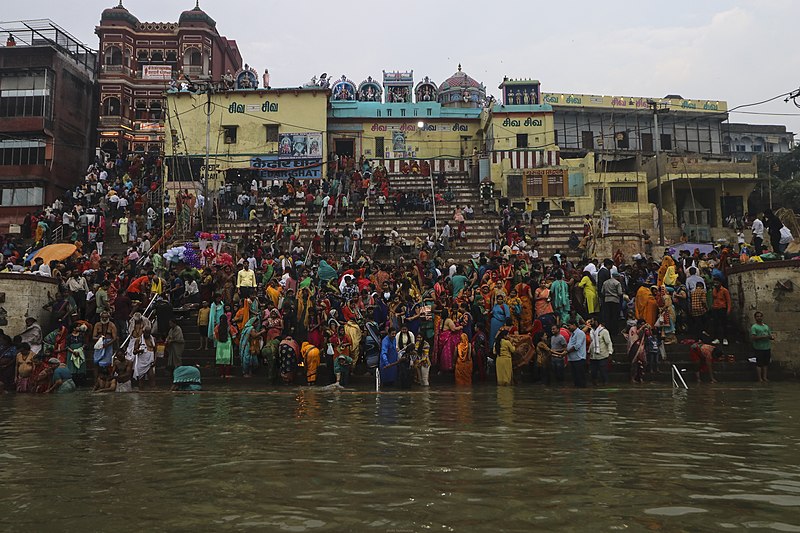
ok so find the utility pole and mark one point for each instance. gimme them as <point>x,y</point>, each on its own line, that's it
<point>206,199</point>
<point>657,145</point>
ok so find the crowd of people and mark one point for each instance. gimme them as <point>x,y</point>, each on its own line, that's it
<point>320,314</point>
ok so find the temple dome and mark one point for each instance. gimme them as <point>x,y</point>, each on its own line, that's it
<point>118,13</point>
<point>460,80</point>
<point>461,90</point>
<point>195,15</point>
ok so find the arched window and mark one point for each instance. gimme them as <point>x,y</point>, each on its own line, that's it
<point>111,107</point>
<point>141,56</point>
<point>140,109</point>
<point>155,109</point>
<point>113,56</point>
<point>172,57</point>
<point>193,57</point>
<point>157,57</point>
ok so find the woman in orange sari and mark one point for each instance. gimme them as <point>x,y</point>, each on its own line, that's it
<point>464,361</point>
<point>646,306</point>
<point>526,299</point>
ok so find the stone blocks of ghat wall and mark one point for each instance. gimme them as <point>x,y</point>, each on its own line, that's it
<point>25,295</point>
<point>774,289</point>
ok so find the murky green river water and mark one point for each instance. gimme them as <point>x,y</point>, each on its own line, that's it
<point>523,459</point>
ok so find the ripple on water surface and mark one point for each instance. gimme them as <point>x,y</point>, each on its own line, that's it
<point>309,460</point>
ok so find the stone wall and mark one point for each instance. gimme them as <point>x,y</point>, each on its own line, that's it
<point>774,289</point>
<point>24,295</point>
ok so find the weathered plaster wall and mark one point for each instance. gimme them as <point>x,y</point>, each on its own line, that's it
<point>25,295</point>
<point>774,289</point>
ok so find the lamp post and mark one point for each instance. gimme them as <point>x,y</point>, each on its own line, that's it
<point>421,127</point>
<point>657,145</point>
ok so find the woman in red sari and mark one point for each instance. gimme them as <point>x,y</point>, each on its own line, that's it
<point>506,275</point>
<point>447,340</point>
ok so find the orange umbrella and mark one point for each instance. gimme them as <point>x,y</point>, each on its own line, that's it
<point>55,252</point>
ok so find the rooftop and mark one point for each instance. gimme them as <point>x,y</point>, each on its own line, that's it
<point>45,32</point>
<point>353,109</point>
<point>736,127</point>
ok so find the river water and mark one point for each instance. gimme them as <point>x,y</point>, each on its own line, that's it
<point>523,459</point>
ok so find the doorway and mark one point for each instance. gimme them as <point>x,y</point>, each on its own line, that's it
<point>345,147</point>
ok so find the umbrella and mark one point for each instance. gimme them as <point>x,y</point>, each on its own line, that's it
<point>53,252</point>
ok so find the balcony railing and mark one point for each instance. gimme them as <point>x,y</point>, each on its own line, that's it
<point>193,70</point>
<point>114,68</point>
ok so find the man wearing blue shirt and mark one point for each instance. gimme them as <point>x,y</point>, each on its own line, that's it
<point>388,359</point>
<point>576,355</point>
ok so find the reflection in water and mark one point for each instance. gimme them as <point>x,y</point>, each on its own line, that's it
<point>518,459</point>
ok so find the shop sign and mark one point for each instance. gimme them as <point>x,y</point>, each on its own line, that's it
<point>271,167</point>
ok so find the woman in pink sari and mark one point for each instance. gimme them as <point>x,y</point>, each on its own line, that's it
<point>447,342</point>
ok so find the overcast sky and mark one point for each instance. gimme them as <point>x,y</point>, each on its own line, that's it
<point>741,51</point>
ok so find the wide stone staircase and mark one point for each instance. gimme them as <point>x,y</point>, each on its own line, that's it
<point>480,230</point>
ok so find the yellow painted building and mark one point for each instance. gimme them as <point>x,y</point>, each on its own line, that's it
<point>274,133</point>
<point>424,130</point>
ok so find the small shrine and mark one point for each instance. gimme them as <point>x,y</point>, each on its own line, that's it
<point>343,90</point>
<point>399,87</point>
<point>246,78</point>
<point>520,92</point>
<point>426,91</point>
<point>370,91</point>
<point>461,90</point>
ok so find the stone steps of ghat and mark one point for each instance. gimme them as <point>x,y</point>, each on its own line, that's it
<point>678,354</point>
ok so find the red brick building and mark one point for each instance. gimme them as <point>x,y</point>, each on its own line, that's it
<point>48,95</point>
<point>138,60</point>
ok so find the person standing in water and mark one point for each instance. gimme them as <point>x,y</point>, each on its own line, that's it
<point>761,336</point>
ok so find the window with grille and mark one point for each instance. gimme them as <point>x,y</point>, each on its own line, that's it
<point>621,195</point>
<point>272,132</point>
<point>229,134</point>
<point>534,185</point>
<point>379,146</point>
<point>555,185</point>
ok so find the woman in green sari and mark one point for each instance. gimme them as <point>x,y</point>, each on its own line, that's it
<point>224,353</point>
<point>249,346</point>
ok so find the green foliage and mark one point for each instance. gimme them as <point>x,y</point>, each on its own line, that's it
<point>783,170</point>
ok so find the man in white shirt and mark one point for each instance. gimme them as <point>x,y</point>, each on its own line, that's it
<point>693,279</point>
<point>758,234</point>
<point>445,236</point>
<point>151,218</point>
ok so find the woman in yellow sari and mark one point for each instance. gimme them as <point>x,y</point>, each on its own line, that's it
<point>589,294</point>
<point>464,361</point>
<point>503,351</point>
<point>666,273</point>
<point>310,354</point>
<point>274,292</point>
